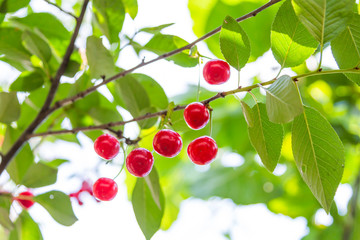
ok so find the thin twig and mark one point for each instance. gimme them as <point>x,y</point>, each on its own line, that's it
<point>62,10</point>
<point>108,126</point>
<point>82,94</point>
<point>44,112</point>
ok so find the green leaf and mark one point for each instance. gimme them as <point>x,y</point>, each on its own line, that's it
<point>148,203</point>
<point>47,23</point>
<point>28,81</point>
<point>8,6</point>
<point>130,94</point>
<point>155,30</point>
<point>5,204</point>
<point>291,43</point>
<point>72,68</point>
<point>131,7</point>
<point>248,114</point>
<point>346,48</point>
<point>59,207</point>
<point>37,46</point>
<point>18,167</point>
<point>25,228</point>
<point>240,184</point>
<point>100,61</point>
<point>207,15</point>
<point>319,155</point>
<point>9,107</point>
<point>283,102</point>
<point>155,92</point>
<point>11,45</point>
<point>265,136</point>
<point>161,44</point>
<point>39,175</point>
<point>56,163</point>
<point>234,43</point>
<point>324,19</point>
<point>110,15</point>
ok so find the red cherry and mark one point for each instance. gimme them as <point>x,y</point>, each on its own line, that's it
<point>167,143</point>
<point>25,203</point>
<point>196,115</point>
<point>107,146</point>
<point>216,72</point>
<point>202,150</point>
<point>105,189</point>
<point>139,162</point>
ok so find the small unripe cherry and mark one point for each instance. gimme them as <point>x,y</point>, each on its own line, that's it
<point>167,143</point>
<point>105,189</point>
<point>107,146</point>
<point>25,203</point>
<point>202,150</point>
<point>196,115</point>
<point>216,72</point>
<point>139,162</point>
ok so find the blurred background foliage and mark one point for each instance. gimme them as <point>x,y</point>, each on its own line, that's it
<point>34,43</point>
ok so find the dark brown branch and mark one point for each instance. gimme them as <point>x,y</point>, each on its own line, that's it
<point>62,10</point>
<point>44,112</point>
<point>109,125</point>
<point>82,94</point>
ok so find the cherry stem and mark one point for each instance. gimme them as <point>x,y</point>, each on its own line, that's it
<point>123,165</point>
<point>198,86</point>
<point>211,119</point>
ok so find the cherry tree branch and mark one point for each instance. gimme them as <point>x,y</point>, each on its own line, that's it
<point>84,93</point>
<point>108,126</point>
<point>44,112</point>
<point>62,10</point>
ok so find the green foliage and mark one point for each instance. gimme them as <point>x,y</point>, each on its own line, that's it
<point>25,228</point>
<point>265,136</point>
<point>234,43</point>
<point>319,155</point>
<point>39,175</point>
<point>100,61</point>
<point>28,81</point>
<point>46,23</point>
<point>59,207</point>
<point>8,6</point>
<point>283,101</point>
<point>346,48</point>
<point>109,16</point>
<point>9,108</point>
<point>155,30</point>
<point>161,44</point>
<point>291,43</point>
<point>5,203</point>
<point>148,203</point>
<point>324,19</point>
<point>276,127</point>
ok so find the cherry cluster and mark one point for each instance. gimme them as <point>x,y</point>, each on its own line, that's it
<point>166,142</point>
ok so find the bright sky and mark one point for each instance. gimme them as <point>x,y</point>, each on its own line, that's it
<point>198,219</point>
